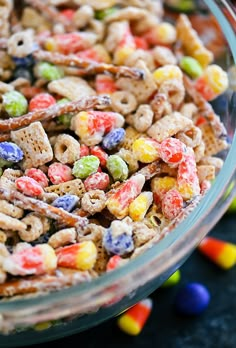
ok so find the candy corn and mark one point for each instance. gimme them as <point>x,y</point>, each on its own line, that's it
<point>35,260</point>
<point>134,319</point>
<point>92,125</point>
<point>220,252</point>
<point>118,203</point>
<point>80,256</point>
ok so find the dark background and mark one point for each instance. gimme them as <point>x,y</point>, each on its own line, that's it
<point>215,328</point>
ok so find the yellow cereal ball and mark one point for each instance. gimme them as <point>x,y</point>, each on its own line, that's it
<point>167,72</point>
<point>166,33</point>
<point>217,78</point>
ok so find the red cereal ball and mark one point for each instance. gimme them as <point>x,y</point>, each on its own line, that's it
<point>100,153</point>
<point>38,175</point>
<point>29,186</point>
<point>41,101</point>
<point>172,150</point>
<point>141,43</point>
<point>113,262</point>
<point>97,181</point>
<point>84,150</point>
<point>59,173</point>
<point>171,204</point>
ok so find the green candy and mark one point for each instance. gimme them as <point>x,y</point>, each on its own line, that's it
<point>85,166</point>
<point>117,167</point>
<point>172,280</point>
<point>191,66</point>
<point>101,14</point>
<point>66,118</point>
<point>49,71</point>
<point>14,103</point>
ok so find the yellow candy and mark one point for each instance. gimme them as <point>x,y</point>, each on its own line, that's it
<point>217,78</point>
<point>167,72</point>
<point>145,150</point>
<point>139,207</point>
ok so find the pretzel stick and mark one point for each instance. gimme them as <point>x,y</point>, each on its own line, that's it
<point>51,13</point>
<point>53,111</point>
<point>46,282</point>
<point>90,67</point>
<point>42,208</point>
<point>205,109</point>
<point>4,137</point>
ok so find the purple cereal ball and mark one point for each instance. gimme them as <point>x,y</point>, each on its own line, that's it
<point>192,299</point>
<point>10,152</point>
<point>66,202</point>
<point>113,139</point>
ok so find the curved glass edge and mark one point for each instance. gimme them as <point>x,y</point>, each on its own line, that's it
<point>179,242</point>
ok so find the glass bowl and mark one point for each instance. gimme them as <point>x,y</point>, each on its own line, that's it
<point>80,307</point>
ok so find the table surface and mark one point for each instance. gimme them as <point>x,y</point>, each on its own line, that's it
<point>215,328</point>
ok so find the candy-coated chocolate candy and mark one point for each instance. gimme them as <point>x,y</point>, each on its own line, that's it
<point>113,139</point>
<point>192,299</point>
<point>117,167</point>
<point>172,280</point>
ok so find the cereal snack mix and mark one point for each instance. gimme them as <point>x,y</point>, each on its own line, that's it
<point>107,136</point>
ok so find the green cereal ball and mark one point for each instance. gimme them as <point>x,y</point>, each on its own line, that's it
<point>14,103</point>
<point>4,163</point>
<point>85,166</point>
<point>49,71</point>
<point>191,66</point>
<point>117,167</point>
<point>66,118</point>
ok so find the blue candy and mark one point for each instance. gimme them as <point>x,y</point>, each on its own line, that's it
<point>67,202</point>
<point>118,245</point>
<point>192,299</point>
<point>10,152</point>
<point>114,138</point>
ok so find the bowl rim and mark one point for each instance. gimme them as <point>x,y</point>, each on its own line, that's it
<point>170,245</point>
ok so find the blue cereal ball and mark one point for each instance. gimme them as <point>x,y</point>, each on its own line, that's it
<point>192,299</point>
<point>10,152</point>
<point>66,202</point>
<point>114,138</point>
<point>117,239</point>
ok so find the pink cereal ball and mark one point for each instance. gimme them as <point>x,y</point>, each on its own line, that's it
<point>97,181</point>
<point>101,155</point>
<point>84,150</point>
<point>38,175</point>
<point>172,150</point>
<point>29,186</point>
<point>59,173</point>
<point>171,204</point>
<point>41,101</point>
